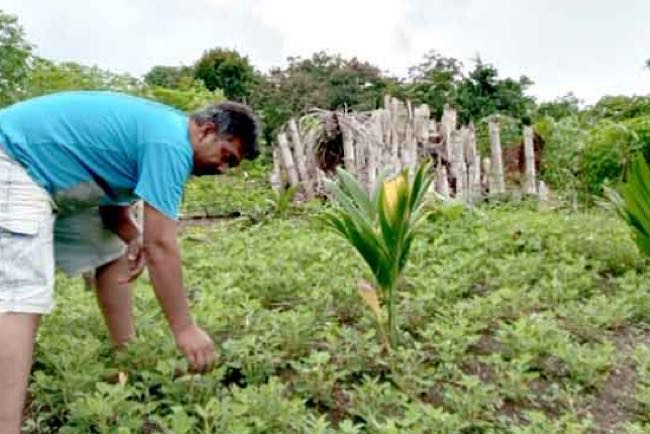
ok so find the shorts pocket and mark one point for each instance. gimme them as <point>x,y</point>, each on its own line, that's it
<point>26,259</point>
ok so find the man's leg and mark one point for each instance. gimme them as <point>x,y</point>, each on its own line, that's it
<point>114,300</point>
<point>17,333</point>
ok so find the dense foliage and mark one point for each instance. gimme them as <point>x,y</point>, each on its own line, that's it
<point>15,53</point>
<point>512,320</point>
<point>226,70</point>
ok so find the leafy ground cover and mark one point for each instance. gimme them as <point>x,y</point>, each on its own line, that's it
<point>513,319</point>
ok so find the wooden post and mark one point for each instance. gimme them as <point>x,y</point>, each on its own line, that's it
<point>422,123</point>
<point>457,164</point>
<point>394,137</point>
<point>276,180</point>
<point>409,143</point>
<point>348,149</point>
<point>530,183</point>
<point>360,150</point>
<point>543,192</point>
<point>448,126</point>
<point>310,153</point>
<point>497,186</point>
<point>442,182</point>
<point>473,166</point>
<point>287,159</point>
<point>421,131</point>
<point>374,148</point>
<point>299,155</point>
<point>486,174</point>
<point>385,159</point>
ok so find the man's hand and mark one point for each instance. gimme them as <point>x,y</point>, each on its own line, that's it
<point>135,258</point>
<point>197,347</point>
<point>164,264</point>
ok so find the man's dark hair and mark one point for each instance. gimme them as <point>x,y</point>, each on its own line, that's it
<point>236,120</point>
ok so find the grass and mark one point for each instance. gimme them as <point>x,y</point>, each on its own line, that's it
<point>512,320</point>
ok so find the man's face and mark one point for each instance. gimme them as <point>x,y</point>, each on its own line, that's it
<point>224,153</point>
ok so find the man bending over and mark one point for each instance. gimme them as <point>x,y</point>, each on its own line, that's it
<point>71,164</point>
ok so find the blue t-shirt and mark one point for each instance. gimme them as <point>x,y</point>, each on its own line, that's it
<point>101,148</point>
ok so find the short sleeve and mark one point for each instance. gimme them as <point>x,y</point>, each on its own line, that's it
<point>163,170</point>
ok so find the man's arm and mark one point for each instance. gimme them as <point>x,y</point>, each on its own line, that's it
<point>119,219</point>
<point>164,263</point>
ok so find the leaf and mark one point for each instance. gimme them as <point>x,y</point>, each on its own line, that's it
<point>356,193</point>
<point>369,296</point>
<point>632,201</point>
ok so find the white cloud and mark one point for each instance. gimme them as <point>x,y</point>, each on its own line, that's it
<point>591,47</point>
<point>372,30</point>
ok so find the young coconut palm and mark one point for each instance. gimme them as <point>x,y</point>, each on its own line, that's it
<point>632,201</point>
<point>381,227</point>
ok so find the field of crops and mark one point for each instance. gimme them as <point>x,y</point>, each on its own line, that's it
<point>513,319</point>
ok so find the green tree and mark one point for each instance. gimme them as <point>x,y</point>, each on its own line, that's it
<point>226,70</point>
<point>481,93</point>
<point>322,81</point>
<point>168,76</point>
<point>15,56</point>
<point>46,77</point>
<point>568,105</point>
<point>440,80</point>
<point>188,95</point>
<point>619,108</point>
<point>435,81</point>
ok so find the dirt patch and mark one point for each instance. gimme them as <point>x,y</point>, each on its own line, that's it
<point>486,344</point>
<point>614,404</point>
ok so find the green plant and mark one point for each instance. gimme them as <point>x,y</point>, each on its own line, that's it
<point>381,227</point>
<point>282,200</point>
<point>632,200</point>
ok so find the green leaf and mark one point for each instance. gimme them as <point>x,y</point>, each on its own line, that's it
<point>632,201</point>
<point>356,193</point>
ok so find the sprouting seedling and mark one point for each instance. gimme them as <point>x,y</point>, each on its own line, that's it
<point>381,226</point>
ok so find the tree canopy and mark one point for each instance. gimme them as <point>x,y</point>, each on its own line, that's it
<point>15,55</point>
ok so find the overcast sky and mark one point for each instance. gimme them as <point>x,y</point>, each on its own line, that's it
<point>590,47</point>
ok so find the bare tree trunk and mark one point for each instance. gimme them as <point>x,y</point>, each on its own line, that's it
<point>276,180</point>
<point>442,182</point>
<point>348,150</point>
<point>310,152</point>
<point>543,192</point>
<point>530,183</point>
<point>409,143</point>
<point>486,174</point>
<point>457,163</point>
<point>386,156</point>
<point>360,147</point>
<point>287,159</point>
<point>497,185</point>
<point>375,148</point>
<point>448,126</point>
<point>421,132</point>
<point>473,166</point>
<point>394,136</point>
<point>299,156</point>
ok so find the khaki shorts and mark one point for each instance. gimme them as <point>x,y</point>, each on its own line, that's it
<point>33,239</point>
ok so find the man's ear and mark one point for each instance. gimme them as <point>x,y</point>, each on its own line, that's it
<point>207,128</point>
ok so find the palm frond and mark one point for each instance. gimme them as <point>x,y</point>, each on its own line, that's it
<point>632,200</point>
